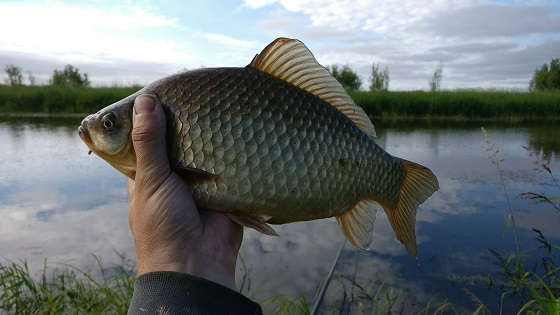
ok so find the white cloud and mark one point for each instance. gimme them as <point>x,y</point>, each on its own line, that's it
<point>376,16</point>
<point>89,35</point>
<point>229,41</point>
<point>255,4</point>
<point>129,43</point>
<point>408,36</point>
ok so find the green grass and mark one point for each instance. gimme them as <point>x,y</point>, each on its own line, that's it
<point>465,104</point>
<point>63,290</point>
<point>459,104</point>
<point>53,99</point>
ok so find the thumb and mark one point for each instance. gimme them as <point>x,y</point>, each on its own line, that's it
<point>148,139</point>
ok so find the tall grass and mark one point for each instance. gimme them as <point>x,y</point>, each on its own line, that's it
<point>537,285</point>
<point>466,104</point>
<point>461,103</point>
<point>54,99</point>
<point>64,290</point>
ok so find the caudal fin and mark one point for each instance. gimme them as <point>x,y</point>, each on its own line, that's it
<point>417,185</point>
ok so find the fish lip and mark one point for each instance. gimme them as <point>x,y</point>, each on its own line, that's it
<point>84,134</point>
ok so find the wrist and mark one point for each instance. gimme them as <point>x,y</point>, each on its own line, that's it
<point>195,264</point>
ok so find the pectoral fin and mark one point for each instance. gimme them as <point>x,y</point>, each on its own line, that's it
<point>253,221</point>
<point>190,174</point>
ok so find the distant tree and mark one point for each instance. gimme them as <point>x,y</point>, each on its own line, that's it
<point>435,81</point>
<point>31,78</point>
<point>14,75</point>
<point>348,78</point>
<point>379,78</point>
<point>547,77</point>
<point>69,77</point>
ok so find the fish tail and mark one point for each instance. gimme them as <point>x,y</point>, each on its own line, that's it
<point>417,184</point>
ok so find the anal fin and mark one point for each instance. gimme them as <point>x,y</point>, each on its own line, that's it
<point>357,223</point>
<point>253,221</point>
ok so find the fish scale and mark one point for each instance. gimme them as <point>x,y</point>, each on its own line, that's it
<point>278,150</point>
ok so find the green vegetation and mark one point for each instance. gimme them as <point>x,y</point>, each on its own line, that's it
<point>547,77</point>
<point>387,104</point>
<point>69,77</point>
<point>466,104</point>
<point>69,92</point>
<point>14,75</point>
<point>65,290</point>
<point>379,78</point>
<point>435,81</point>
<point>346,76</point>
<point>57,99</point>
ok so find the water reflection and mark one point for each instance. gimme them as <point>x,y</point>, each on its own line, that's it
<point>545,141</point>
<point>60,203</point>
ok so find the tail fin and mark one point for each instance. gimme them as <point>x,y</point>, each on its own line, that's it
<point>417,185</point>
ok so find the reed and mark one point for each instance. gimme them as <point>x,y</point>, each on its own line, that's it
<point>54,99</point>
<point>462,104</point>
<point>466,104</point>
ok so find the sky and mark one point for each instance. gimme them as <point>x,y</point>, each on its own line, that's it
<point>479,43</point>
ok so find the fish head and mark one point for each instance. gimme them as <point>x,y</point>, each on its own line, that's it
<point>107,134</point>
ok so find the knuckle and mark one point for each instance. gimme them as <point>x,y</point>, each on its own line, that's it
<point>140,134</point>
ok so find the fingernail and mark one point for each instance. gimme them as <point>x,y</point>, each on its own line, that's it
<point>144,103</point>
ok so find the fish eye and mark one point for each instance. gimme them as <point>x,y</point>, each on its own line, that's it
<point>109,122</point>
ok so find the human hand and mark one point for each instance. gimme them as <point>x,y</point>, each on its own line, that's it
<point>169,232</point>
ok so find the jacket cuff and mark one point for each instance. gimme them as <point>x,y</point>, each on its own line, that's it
<point>168,292</point>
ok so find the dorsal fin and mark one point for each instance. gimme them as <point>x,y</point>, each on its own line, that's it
<point>291,61</point>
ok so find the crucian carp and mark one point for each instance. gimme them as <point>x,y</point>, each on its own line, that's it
<point>274,142</point>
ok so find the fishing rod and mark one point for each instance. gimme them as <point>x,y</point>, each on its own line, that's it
<point>326,282</point>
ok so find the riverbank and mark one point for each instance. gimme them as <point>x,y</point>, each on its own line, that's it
<point>460,104</point>
<point>57,100</point>
<point>456,105</point>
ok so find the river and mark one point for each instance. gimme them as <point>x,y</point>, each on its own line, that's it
<point>58,202</point>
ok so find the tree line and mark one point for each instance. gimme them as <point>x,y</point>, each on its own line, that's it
<point>379,78</point>
<point>547,77</point>
<point>70,76</point>
<point>351,81</point>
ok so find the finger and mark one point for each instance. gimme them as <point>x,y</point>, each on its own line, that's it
<point>148,138</point>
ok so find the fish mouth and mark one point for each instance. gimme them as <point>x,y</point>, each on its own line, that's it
<point>84,134</point>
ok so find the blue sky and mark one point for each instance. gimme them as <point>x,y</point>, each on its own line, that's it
<point>479,43</point>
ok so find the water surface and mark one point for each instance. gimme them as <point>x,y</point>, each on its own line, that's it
<point>60,203</point>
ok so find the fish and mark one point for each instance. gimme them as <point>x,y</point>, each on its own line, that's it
<point>275,142</point>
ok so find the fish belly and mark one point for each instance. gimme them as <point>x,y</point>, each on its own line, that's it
<point>275,150</point>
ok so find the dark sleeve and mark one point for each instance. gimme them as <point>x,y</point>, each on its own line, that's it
<point>167,292</point>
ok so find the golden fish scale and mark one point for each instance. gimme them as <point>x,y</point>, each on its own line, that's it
<point>277,150</point>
